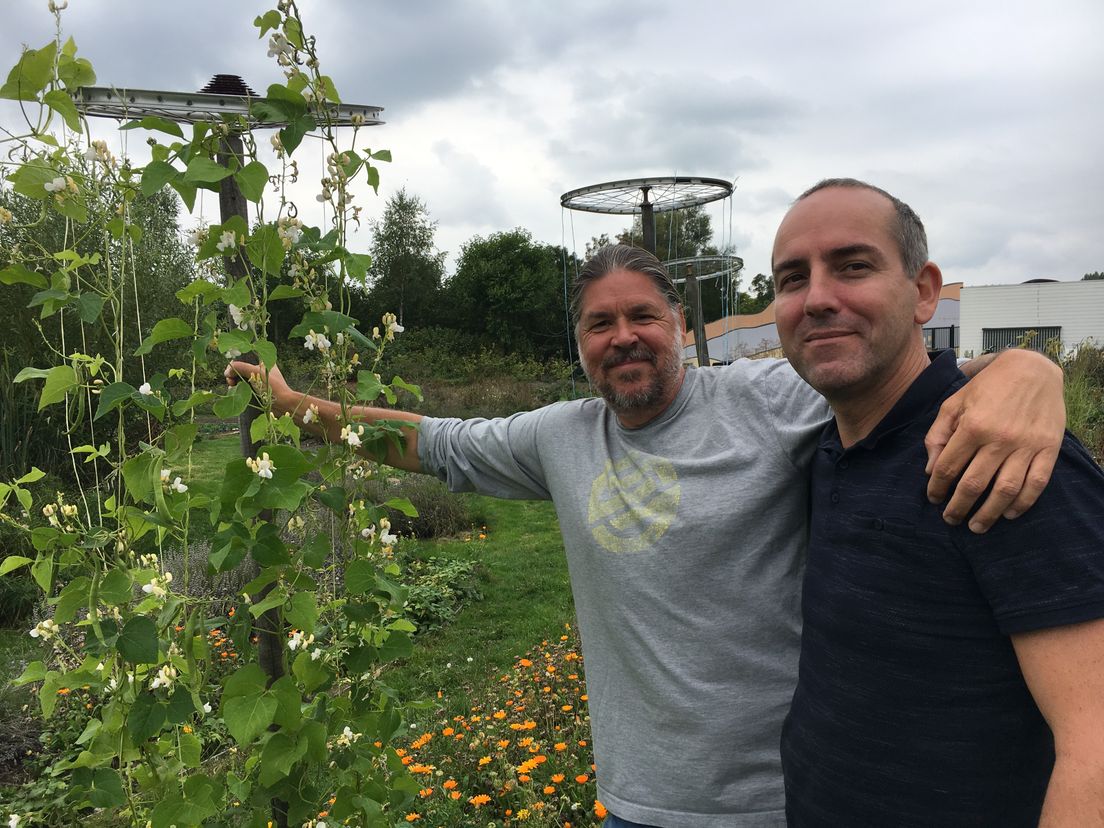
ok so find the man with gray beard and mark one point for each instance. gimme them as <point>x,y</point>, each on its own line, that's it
<point>682,497</point>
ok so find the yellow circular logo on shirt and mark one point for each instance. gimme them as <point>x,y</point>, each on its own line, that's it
<point>633,503</point>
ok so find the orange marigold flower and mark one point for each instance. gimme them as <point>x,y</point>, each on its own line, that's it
<point>406,760</point>
<point>566,707</point>
<point>560,746</point>
<point>582,743</point>
<point>549,789</point>
<point>400,752</point>
<point>540,760</point>
<point>424,792</point>
<point>503,743</point>
<point>231,613</point>
<point>500,714</point>
<point>524,778</point>
<point>525,662</point>
<point>448,731</point>
<point>557,778</point>
<point>64,691</point>
<point>413,816</point>
<point>450,784</point>
<point>479,800</point>
<point>582,778</point>
<point>583,697</point>
<point>528,740</point>
<point>484,760</point>
<point>323,814</point>
<point>455,794</point>
<point>213,633</point>
<point>187,728</point>
<point>549,669</point>
<point>600,810</point>
<point>421,768</point>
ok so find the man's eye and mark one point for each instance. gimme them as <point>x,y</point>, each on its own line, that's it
<point>790,281</point>
<point>855,267</point>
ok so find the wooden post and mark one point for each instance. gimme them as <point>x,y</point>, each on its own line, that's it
<point>693,293</point>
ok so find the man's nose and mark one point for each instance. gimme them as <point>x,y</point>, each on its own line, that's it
<point>624,333</point>
<point>820,295</point>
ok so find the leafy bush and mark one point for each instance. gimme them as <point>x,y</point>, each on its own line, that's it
<point>437,589</point>
<point>441,513</point>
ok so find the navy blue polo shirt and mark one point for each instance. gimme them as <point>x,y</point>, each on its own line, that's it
<point>910,707</point>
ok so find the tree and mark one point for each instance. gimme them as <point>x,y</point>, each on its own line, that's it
<point>762,295</point>
<point>679,233</point>
<point>1090,277</point>
<point>407,269</point>
<point>509,289</point>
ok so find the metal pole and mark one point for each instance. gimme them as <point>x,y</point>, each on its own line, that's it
<point>647,222</point>
<point>693,292</point>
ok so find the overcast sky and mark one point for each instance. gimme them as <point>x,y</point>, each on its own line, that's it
<point>985,116</point>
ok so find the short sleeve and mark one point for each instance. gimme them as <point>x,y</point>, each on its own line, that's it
<point>1046,568</point>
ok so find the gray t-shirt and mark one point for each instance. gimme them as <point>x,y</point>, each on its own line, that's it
<point>685,543</point>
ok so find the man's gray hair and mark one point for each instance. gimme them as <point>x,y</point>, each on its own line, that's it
<point>622,257</point>
<point>907,229</point>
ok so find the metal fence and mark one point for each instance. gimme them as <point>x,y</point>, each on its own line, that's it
<point>1035,338</point>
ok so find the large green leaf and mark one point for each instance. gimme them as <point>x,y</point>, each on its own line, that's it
<point>60,380</point>
<point>279,755</point>
<point>138,641</point>
<point>163,331</point>
<point>202,170</point>
<point>235,402</point>
<point>247,717</point>
<point>146,717</point>
<point>112,396</point>
<point>252,179</point>
<point>156,175</point>
<point>31,74</point>
<point>15,274</point>
<point>265,249</point>
<point>62,104</point>
<point>360,577</point>
<point>153,122</point>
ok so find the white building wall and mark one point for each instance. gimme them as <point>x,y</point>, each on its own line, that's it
<point>1076,307</point>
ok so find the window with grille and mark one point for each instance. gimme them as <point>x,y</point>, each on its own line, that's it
<point>1035,338</point>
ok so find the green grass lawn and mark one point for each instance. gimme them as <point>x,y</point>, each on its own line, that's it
<point>527,598</point>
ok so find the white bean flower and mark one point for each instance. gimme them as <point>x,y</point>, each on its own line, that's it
<point>164,678</point>
<point>145,389</point>
<point>238,315</point>
<point>158,586</point>
<point>310,415</point>
<point>226,241</point>
<point>316,340</point>
<point>55,186</point>
<point>351,436</point>
<point>165,476</point>
<point>45,629</point>
<point>178,487</point>
<point>263,467</point>
<point>14,820</point>
<point>299,640</point>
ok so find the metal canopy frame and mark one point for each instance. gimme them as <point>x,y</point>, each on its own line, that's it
<point>662,193</point>
<point>723,266</point>
<point>192,107</point>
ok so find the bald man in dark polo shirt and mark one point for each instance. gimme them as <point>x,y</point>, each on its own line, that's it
<point>941,671</point>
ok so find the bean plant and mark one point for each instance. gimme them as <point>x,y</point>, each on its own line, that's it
<point>299,731</point>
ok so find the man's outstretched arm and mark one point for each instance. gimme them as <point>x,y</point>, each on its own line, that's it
<point>1064,669</point>
<point>1004,427</point>
<point>326,420</point>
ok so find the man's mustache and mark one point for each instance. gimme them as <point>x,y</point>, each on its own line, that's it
<point>634,354</point>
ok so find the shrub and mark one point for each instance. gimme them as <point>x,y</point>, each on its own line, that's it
<point>440,512</point>
<point>437,589</point>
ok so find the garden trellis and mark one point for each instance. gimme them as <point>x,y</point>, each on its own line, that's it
<point>646,197</point>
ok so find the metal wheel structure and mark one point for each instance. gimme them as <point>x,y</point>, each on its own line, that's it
<point>225,96</point>
<point>648,196</point>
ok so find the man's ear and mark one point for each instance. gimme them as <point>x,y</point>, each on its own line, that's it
<point>682,326</point>
<point>928,284</point>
